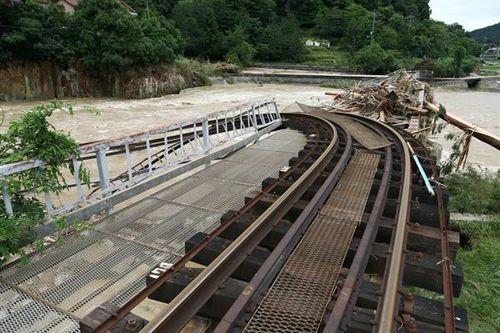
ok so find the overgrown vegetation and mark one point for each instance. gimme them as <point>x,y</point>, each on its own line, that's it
<point>481,289</point>
<point>32,137</point>
<point>474,191</point>
<point>478,191</point>
<point>373,37</point>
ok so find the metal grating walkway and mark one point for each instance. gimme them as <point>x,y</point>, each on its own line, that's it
<point>299,295</point>
<point>110,262</point>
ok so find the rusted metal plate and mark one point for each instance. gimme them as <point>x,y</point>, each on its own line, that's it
<point>297,299</point>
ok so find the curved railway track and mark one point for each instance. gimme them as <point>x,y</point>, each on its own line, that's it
<point>272,266</point>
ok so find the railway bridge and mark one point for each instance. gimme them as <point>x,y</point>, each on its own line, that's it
<point>247,220</point>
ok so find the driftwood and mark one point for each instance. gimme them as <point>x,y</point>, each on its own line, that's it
<point>401,95</point>
<point>477,132</point>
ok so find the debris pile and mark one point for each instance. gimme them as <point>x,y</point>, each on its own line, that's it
<point>400,100</point>
<point>398,95</point>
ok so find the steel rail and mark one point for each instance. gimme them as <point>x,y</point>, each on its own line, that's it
<point>347,296</point>
<point>272,265</point>
<point>134,301</point>
<point>389,304</point>
<point>386,311</point>
<point>191,298</point>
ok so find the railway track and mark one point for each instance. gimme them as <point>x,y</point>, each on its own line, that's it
<point>329,245</point>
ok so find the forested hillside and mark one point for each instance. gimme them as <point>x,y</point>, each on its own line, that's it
<point>368,36</point>
<point>487,35</point>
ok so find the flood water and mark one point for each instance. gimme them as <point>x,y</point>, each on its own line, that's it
<point>119,117</point>
<point>481,109</point>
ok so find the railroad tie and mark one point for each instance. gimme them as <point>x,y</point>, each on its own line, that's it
<point>298,297</point>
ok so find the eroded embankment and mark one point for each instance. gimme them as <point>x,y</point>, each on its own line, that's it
<point>45,80</point>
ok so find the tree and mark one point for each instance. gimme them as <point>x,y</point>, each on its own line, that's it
<point>240,51</point>
<point>35,33</point>
<point>162,41</point>
<point>109,38</point>
<point>282,41</point>
<point>356,26</point>
<point>306,11</point>
<point>458,58</point>
<point>374,59</point>
<point>197,21</point>
<point>162,7</point>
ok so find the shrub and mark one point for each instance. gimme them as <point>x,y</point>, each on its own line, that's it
<point>282,41</point>
<point>374,59</point>
<point>240,52</point>
<point>32,137</point>
<point>474,191</point>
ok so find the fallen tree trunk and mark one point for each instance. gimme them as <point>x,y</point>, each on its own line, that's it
<point>477,132</point>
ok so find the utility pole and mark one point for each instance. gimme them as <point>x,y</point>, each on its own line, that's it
<point>147,7</point>
<point>372,33</point>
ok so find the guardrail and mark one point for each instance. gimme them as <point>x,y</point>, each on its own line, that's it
<point>165,147</point>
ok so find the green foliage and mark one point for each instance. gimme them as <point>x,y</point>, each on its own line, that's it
<point>162,7</point>
<point>110,38</point>
<point>198,24</point>
<point>474,191</point>
<point>32,137</point>
<point>374,59</point>
<point>327,57</point>
<point>34,33</point>
<point>282,41</point>
<point>458,58</point>
<point>240,51</point>
<point>481,289</point>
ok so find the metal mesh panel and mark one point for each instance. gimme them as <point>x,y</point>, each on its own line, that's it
<point>85,279</point>
<point>244,173</point>
<point>273,144</point>
<point>168,227</point>
<point>266,157</point>
<point>20,313</point>
<point>299,295</point>
<point>212,194</point>
<point>110,262</point>
<point>287,135</point>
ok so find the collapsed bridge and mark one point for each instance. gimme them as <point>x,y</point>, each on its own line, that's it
<point>296,222</point>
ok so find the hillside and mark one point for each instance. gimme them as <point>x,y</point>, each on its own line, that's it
<point>365,36</point>
<point>490,34</point>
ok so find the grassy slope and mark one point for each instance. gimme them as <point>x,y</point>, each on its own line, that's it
<point>492,67</point>
<point>479,192</point>
<point>481,290</point>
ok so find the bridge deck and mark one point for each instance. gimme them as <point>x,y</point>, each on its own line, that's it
<point>298,297</point>
<point>109,262</point>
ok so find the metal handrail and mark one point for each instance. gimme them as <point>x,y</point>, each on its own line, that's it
<point>194,133</point>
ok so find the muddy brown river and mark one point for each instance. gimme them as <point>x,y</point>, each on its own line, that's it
<point>119,117</point>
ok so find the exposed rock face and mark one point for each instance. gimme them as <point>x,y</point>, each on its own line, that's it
<point>44,80</point>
